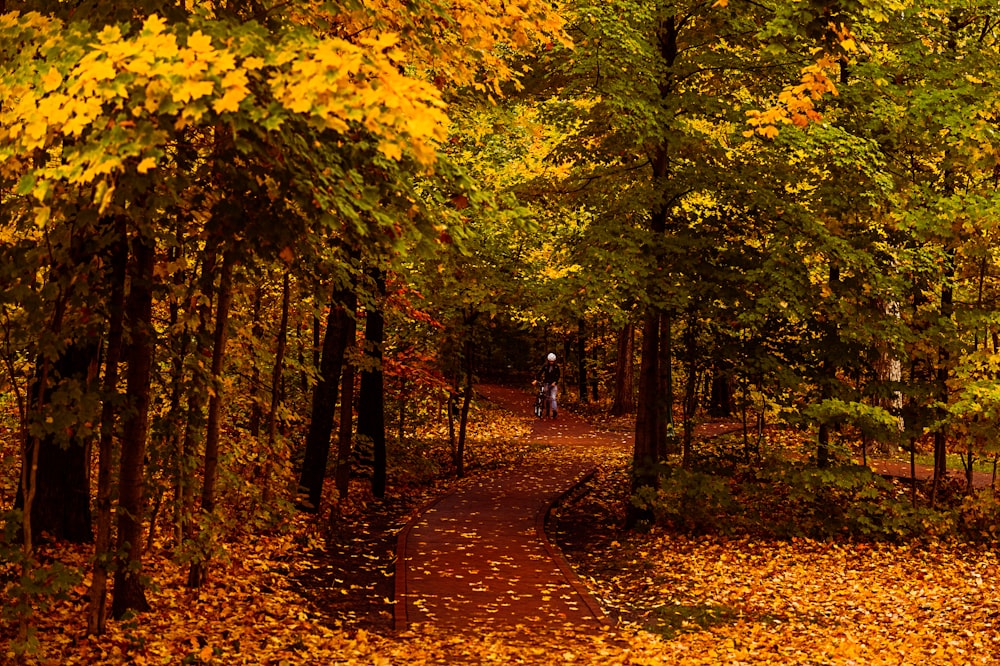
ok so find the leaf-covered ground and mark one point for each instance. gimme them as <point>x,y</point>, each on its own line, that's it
<point>740,600</point>
<point>320,593</point>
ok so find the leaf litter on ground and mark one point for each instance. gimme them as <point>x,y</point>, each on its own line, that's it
<point>675,598</point>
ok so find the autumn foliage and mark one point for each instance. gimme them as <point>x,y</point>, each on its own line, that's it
<point>255,258</point>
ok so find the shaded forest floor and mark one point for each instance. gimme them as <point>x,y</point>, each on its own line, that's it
<point>320,591</point>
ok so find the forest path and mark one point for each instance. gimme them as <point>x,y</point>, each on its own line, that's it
<point>478,559</point>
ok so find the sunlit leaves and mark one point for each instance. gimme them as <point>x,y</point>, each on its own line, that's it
<point>121,96</point>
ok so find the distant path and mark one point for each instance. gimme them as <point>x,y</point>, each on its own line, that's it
<point>901,470</point>
<point>478,559</point>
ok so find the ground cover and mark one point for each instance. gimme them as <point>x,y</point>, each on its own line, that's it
<point>735,598</point>
<point>320,591</point>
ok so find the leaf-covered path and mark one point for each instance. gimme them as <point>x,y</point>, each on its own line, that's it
<point>478,558</point>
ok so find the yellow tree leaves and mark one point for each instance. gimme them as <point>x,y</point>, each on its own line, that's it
<point>462,42</point>
<point>105,101</point>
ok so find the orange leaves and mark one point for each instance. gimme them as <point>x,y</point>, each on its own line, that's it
<point>796,105</point>
<point>822,602</point>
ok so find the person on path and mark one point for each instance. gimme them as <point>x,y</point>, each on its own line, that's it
<point>549,377</point>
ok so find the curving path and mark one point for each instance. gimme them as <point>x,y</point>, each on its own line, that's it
<point>478,559</point>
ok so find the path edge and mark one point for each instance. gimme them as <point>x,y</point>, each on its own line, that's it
<point>401,618</point>
<point>557,555</point>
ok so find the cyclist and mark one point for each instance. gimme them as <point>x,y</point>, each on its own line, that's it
<point>549,376</point>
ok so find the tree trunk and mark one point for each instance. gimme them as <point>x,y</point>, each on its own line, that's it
<point>61,506</point>
<point>276,374</point>
<point>324,402</point>
<point>690,388</point>
<point>198,573</point>
<point>647,413</point>
<point>720,402</point>
<point>581,355</point>
<point>256,409</point>
<point>828,371</point>
<point>624,399</point>
<point>342,475</point>
<point>666,440</point>
<point>195,423</point>
<point>466,403</point>
<point>371,399</point>
<point>649,404</point>
<point>97,615</point>
<point>943,371</point>
<point>129,590</point>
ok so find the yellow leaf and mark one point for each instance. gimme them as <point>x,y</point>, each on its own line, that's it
<point>146,164</point>
<point>51,80</point>
<point>42,215</point>
<point>391,150</point>
<point>768,131</point>
<point>154,25</point>
<point>229,102</point>
<point>199,42</point>
<point>190,90</point>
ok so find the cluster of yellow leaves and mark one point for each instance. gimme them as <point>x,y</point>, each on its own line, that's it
<point>795,104</point>
<point>110,100</point>
<point>464,42</point>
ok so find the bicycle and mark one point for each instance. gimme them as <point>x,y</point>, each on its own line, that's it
<point>540,399</point>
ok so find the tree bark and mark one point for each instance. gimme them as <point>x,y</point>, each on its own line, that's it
<point>466,402</point>
<point>276,374</point>
<point>371,400</point>
<point>943,371</point>
<point>129,590</point>
<point>195,423</point>
<point>61,506</point>
<point>97,615</point>
<point>647,412</point>
<point>690,387</point>
<point>324,402</point>
<point>624,398</point>
<point>198,573</point>
<point>342,475</point>
<point>581,355</point>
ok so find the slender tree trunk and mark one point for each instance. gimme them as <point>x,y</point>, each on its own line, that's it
<point>276,374</point>
<point>466,403</point>
<point>129,589</point>
<point>198,573</point>
<point>581,355</point>
<point>649,404</point>
<point>97,615</point>
<point>647,412</point>
<point>61,507</point>
<point>342,475</point>
<point>624,398</point>
<point>194,426</point>
<point>666,440</point>
<point>256,409</point>
<point>371,400</point>
<point>828,373</point>
<point>324,402</point>
<point>690,388</point>
<point>943,371</point>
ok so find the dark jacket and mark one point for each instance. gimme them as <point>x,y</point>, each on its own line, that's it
<point>550,373</point>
